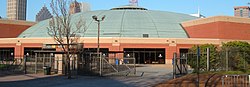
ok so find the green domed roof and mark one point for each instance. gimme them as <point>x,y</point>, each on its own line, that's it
<point>124,22</point>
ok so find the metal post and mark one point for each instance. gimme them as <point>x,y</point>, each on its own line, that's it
<point>208,55</point>
<point>25,67</point>
<point>134,62</point>
<point>227,60</point>
<point>100,65</point>
<point>98,39</point>
<point>43,59</point>
<point>174,65</point>
<point>198,67</point>
<point>50,61</point>
<point>244,60</point>
<point>35,63</point>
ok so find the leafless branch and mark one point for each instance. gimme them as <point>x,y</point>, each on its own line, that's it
<point>61,26</point>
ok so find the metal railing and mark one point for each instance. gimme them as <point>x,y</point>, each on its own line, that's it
<point>12,66</point>
<point>235,81</point>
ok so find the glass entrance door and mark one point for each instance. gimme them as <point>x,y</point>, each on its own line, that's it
<point>147,56</point>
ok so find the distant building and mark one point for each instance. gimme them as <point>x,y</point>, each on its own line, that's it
<point>43,14</point>
<point>76,7</point>
<point>85,7</point>
<point>16,9</point>
<point>242,11</point>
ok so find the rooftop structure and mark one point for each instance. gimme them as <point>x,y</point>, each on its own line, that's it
<point>242,11</point>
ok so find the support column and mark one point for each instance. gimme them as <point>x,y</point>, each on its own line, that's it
<point>18,51</point>
<point>170,53</point>
<point>59,58</point>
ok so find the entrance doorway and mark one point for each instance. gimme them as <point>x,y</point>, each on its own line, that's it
<point>7,54</point>
<point>183,52</point>
<point>146,55</point>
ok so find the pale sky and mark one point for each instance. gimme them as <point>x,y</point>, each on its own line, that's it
<point>207,7</point>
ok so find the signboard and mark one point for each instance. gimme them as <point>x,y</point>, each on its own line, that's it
<point>80,45</point>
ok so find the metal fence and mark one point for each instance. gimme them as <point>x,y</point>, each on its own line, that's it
<point>180,66</point>
<point>221,61</point>
<point>91,64</point>
<point>36,63</point>
<point>234,60</point>
<point>11,66</point>
<point>235,81</point>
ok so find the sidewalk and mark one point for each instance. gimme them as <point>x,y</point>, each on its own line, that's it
<point>23,77</point>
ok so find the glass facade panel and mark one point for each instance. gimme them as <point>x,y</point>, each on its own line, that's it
<point>146,55</point>
<point>7,53</point>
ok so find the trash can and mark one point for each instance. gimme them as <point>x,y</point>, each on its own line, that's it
<point>116,61</point>
<point>46,70</point>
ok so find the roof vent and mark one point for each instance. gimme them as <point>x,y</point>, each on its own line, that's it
<point>129,7</point>
<point>145,35</point>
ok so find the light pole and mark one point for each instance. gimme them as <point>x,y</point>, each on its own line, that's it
<point>98,35</point>
<point>98,40</point>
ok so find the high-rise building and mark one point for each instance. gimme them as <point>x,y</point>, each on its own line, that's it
<point>242,11</point>
<point>76,7</point>
<point>16,9</point>
<point>43,14</point>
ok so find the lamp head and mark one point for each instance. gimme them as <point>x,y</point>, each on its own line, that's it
<point>103,17</point>
<point>94,17</point>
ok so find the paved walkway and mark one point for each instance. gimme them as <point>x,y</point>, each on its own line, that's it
<point>153,74</point>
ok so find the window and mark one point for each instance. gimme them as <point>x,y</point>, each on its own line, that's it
<point>145,35</point>
<point>241,12</point>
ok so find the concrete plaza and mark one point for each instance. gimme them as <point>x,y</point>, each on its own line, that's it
<point>153,74</point>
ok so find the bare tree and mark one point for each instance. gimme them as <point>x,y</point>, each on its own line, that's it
<point>65,32</point>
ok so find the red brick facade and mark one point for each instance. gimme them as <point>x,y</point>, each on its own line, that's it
<point>220,30</point>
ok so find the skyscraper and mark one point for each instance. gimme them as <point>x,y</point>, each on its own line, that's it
<point>43,14</point>
<point>16,9</point>
<point>242,11</point>
<point>76,7</point>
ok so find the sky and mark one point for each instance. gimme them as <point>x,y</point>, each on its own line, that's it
<point>207,7</point>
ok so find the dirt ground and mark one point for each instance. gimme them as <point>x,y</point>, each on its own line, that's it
<point>191,81</point>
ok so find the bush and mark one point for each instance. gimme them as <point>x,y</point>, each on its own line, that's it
<point>192,58</point>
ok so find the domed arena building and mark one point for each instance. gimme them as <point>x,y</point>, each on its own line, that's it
<point>151,36</point>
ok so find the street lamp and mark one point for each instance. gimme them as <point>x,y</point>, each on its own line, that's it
<point>98,35</point>
<point>98,40</point>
